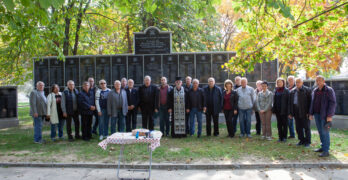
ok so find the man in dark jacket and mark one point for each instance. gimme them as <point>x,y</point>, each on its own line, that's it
<point>94,90</point>
<point>291,85</point>
<point>133,100</point>
<point>148,103</point>
<point>195,105</point>
<point>187,87</point>
<point>323,108</point>
<point>86,106</point>
<point>299,104</point>
<point>164,90</point>
<point>70,109</point>
<point>212,106</point>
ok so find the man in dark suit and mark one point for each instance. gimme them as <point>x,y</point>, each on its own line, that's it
<point>212,106</point>
<point>133,100</point>
<point>86,104</point>
<point>299,105</point>
<point>148,103</point>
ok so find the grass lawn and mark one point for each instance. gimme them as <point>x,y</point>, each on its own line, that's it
<point>16,145</point>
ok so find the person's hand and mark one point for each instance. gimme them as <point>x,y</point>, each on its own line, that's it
<point>156,110</point>
<point>65,115</point>
<point>48,116</point>
<point>329,119</point>
<point>132,107</point>
<point>170,110</point>
<point>187,110</point>
<point>262,111</point>
<point>92,108</point>
<point>290,117</point>
<point>99,113</point>
<point>139,109</point>
<point>204,109</point>
<point>36,115</point>
<point>310,117</point>
<point>252,112</point>
<point>235,112</point>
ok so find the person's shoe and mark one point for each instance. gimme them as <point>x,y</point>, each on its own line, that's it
<point>198,136</point>
<point>232,136</point>
<point>299,143</point>
<point>101,138</point>
<point>318,150</point>
<point>61,138</point>
<point>249,136</point>
<point>307,145</point>
<point>279,140</point>
<point>324,154</point>
<point>54,139</point>
<point>77,137</point>
<point>258,134</point>
<point>291,137</point>
<point>241,135</point>
<point>263,137</point>
<point>70,139</point>
<point>38,142</point>
<point>284,140</point>
<point>269,138</point>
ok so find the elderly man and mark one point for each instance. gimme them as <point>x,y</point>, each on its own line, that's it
<point>117,107</point>
<point>188,87</point>
<point>323,108</point>
<point>38,110</point>
<point>237,82</point>
<point>257,115</point>
<point>124,83</point>
<point>133,100</point>
<point>300,101</point>
<point>212,106</point>
<point>245,107</point>
<point>148,103</point>
<point>164,90</point>
<point>101,105</point>
<point>86,104</point>
<point>94,89</point>
<point>291,85</point>
<point>195,105</point>
<point>176,107</point>
<point>70,109</point>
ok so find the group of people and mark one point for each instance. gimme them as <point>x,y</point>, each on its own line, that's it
<point>179,106</point>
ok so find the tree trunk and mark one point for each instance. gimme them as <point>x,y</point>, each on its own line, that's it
<point>67,29</point>
<point>78,25</point>
<point>129,40</point>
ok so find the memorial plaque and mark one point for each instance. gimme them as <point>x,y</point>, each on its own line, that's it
<point>135,69</point>
<point>152,68</point>
<point>219,73</point>
<point>8,102</point>
<point>269,71</point>
<point>72,70</point>
<point>56,72</point>
<point>254,75</point>
<point>119,68</point>
<point>103,68</point>
<point>152,41</point>
<point>341,102</point>
<point>203,67</point>
<point>86,68</point>
<point>170,67</point>
<point>186,65</point>
<point>41,71</point>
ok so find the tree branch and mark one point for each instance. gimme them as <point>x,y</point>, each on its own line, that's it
<point>103,16</point>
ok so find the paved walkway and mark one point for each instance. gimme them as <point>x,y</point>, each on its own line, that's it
<point>93,174</point>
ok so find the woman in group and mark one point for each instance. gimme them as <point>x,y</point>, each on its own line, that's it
<point>280,108</point>
<point>264,106</point>
<point>55,113</point>
<point>230,106</point>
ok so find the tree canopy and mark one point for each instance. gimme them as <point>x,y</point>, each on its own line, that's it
<point>306,34</point>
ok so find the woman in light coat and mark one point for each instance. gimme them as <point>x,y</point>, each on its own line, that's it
<point>264,106</point>
<point>54,112</point>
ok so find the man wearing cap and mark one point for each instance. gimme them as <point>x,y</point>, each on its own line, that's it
<point>176,109</point>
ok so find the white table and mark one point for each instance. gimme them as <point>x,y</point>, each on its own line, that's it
<point>127,138</point>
